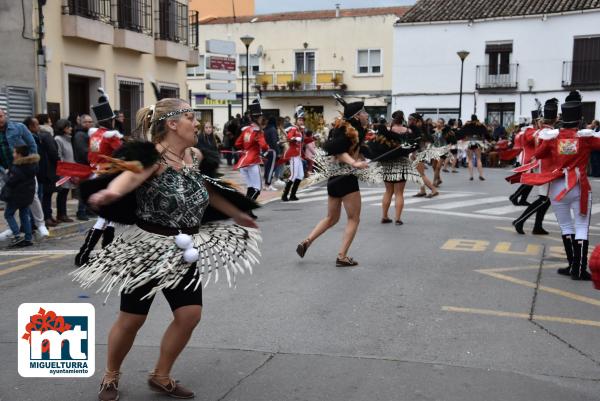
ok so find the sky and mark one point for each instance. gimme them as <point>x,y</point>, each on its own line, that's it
<point>274,6</point>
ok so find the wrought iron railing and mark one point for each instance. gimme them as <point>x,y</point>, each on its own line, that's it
<point>497,76</point>
<point>581,73</point>
<point>300,81</point>
<point>99,10</point>
<point>134,15</point>
<point>194,37</point>
<point>172,20</point>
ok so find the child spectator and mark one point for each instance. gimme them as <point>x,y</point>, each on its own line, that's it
<point>18,193</point>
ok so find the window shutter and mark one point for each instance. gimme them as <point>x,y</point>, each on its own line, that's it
<point>363,61</point>
<point>375,61</point>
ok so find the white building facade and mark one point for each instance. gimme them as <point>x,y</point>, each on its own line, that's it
<point>303,58</point>
<point>513,60</point>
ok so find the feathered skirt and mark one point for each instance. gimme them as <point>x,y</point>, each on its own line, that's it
<point>431,153</point>
<point>326,167</point>
<point>138,257</point>
<point>400,170</point>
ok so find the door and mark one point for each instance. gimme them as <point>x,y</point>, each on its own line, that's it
<point>305,68</point>
<point>503,113</point>
<point>130,101</point>
<point>586,61</point>
<point>79,95</point>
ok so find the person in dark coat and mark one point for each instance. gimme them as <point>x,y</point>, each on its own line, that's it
<point>47,175</point>
<point>18,193</point>
<point>272,139</point>
<point>80,144</point>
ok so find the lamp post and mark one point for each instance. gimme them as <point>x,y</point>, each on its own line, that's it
<point>463,55</point>
<point>243,72</point>
<point>246,40</point>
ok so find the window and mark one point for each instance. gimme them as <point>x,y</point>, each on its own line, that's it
<point>131,97</point>
<point>369,61</point>
<point>435,113</point>
<point>135,16</point>
<point>168,91</point>
<point>498,58</point>
<point>197,71</point>
<point>254,63</point>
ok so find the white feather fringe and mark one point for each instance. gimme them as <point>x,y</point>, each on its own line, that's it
<point>326,167</point>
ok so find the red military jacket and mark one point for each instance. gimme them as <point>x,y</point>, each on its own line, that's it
<point>252,142</point>
<point>568,152</point>
<point>102,142</point>
<point>295,136</point>
<point>528,143</point>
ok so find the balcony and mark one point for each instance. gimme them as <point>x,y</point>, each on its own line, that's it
<point>194,39</point>
<point>320,83</point>
<point>172,34</point>
<point>497,77</point>
<point>134,25</point>
<point>581,74</point>
<point>88,19</point>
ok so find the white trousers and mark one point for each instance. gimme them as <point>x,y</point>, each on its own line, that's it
<point>296,168</point>
<point>570,223</point>
<point>251,175</point>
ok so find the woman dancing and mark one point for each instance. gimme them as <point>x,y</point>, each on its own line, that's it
<point>168,248</point>
<point>344,144</point>
<point>475,134</point>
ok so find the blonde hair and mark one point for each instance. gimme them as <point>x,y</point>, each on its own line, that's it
<point>149,125</point>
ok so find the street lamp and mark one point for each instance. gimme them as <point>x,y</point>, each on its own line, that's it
<point>243,72</point>
<point>246,40</point>
<point>463,55</point>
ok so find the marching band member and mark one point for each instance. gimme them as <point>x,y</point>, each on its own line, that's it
<point>293,154</point>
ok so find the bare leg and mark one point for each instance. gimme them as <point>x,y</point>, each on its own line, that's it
<point>437,167</point>
<point>479,164</point>
<point>121,337</point>
<point>334,207</point>
<point>470,162</point>
<point>352,205</point>
<point>177,335</point>
<point>387,199</point>
<point>426,181</point>
<point>399,194</point>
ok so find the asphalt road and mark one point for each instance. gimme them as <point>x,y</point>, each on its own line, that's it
<point>454,305</point>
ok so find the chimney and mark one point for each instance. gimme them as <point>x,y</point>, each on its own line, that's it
<point>337,10</point>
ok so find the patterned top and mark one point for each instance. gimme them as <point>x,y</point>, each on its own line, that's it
<point>174,198</point>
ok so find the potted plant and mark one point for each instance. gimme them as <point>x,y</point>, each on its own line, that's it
<point>335,81</point>
<point>275,87</point>
<point>290,85</point>
<point>318,87</point>
<point>297,84</point>
<point>343,87</point>
<point>265,84</point>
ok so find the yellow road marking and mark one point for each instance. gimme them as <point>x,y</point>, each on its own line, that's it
<point>505,247</point>
<point>544,288</point>
<point>7,262</point>
<point>28,265</point>
<point>471,245</point>
<point>489,312</point>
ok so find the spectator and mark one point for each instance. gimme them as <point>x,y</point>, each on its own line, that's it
<point>230,132</point>
<point>272,139</point>
<point>62,136</point>
<point>120,122</point>
<point>80,144</point>
<point>35,208</point>
<point>47,166</point>
<point>207,138</point>
<point>18,193</point>
<point>499,131</point>
<point>310,150</point>
<point>11,135</point>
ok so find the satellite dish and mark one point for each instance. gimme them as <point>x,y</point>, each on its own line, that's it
<point>259,51</point>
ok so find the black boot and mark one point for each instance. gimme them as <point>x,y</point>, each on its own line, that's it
<point>539,218</point>
<point>568,244</point>
<point>286,191</point>
<point>108,236</point>
<point>514,198</point>
<point>255,194</point>
<point>91,239</point>
<point>524,194</point>
<point>294,189</point>
<point>531,209</point>
<point>579,268</point>
<point>252,193</point>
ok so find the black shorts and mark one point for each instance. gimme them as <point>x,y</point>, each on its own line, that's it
<point>342,185</point>
<point>177,297</point>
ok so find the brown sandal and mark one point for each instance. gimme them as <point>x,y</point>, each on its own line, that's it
<point>172,388</point>
<point>345,262</point>
<point>386,220</point>
<point>109,388</point>
<point>303,247</point>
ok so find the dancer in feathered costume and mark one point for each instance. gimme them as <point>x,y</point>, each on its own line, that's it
<point>425,154</point>
<point>392,148</point>
<point>165,193</point>
<point>344,144</point>
<point>103,141</point>
<point>474,135</point>
<point>530,142</point>
<point>293,155</point>
<point>442,149</point>
<point>568,151</point>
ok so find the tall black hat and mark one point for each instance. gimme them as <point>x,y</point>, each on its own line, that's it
<point>102,110</point>
<point>572,108</point>
<point>350,109</point>
<point>254,108</point>
<point>535,114</point>
<point>551,109</point>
